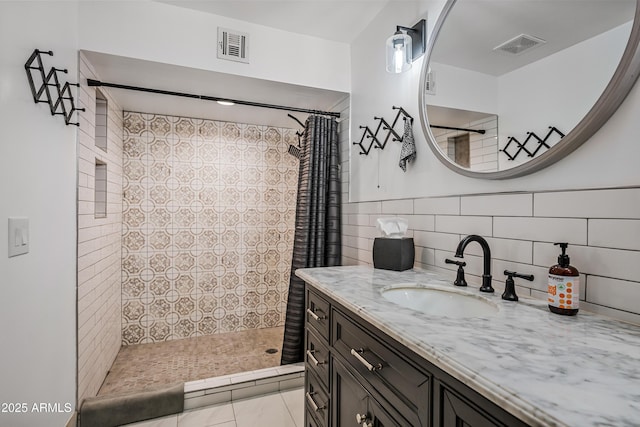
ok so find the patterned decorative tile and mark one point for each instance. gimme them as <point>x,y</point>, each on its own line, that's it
<point>134,217</point>
<point>159,308</point>
<point>208,212</point>
<point>185,128</point>
<point>185,150</point>
<point>159,262</point>
<point>159,195</point>
<point>160,126</point>
<point>159,218</point>
<point>159,286</point>
<point>185,328</point>
<point>209,130</point>
<point>159,149</point>
<point>159,331</point>
<point>133,287</point>
<point>132,334</point>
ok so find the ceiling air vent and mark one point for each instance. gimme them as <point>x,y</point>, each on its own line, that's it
<point>519,44</point>
<point>233,45</point>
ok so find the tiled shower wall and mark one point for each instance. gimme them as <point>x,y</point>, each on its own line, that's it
<point>208,220</point>
<point>99,241</point>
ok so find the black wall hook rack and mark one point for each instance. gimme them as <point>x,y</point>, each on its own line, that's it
<point>45,87</point>
<point>542,142</point>
<point>383,125</point>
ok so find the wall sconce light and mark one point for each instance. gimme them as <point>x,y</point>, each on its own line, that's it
<point>405,46</point>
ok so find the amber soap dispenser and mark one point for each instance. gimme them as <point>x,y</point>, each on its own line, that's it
<point>563,291</point>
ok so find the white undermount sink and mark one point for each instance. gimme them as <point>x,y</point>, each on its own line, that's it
<point>439,301</point>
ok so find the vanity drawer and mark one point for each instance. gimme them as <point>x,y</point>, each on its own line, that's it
<point>394,378</point>
<point>316,400</point>
<point>317,357</point>
<point>318,314</point>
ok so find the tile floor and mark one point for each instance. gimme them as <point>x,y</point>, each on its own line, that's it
<point>284,409</point>
<point>146,366</point>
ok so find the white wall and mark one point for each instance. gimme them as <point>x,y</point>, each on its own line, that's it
<point>550,92</point>
<point>173,35</point>
<point>464,89</point>
<point>374,91</point>
<point>38,175</point>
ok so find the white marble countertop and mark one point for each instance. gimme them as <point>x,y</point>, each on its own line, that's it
<point>546,369</point>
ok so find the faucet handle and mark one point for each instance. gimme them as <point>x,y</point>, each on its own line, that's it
<point>509,293</point>
<point>460,280</point>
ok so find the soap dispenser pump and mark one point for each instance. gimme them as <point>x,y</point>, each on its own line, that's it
<point>563,289</point>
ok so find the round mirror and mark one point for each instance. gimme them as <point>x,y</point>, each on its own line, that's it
<point>510,87</point>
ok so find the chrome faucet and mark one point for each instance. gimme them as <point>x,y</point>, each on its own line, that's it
<point>486,275</point>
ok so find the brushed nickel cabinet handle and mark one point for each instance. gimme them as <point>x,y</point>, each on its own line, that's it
<point>313,359</point>
<point>312,402</point>
<point>315,316</point>
<point>365,362</point>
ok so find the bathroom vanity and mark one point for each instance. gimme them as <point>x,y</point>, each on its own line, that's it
<point>372,362</point>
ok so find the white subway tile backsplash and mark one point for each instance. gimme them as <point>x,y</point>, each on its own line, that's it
<point>613,263</point>
<point>506,249</point>
<point>368,208</point>
<point>425,256</point>
<point>437,206</point>
<point>540,274</point>
<point>618,233</point>
<point>443,241</point>
<point>359,219</point>
<point>397,207</point>
<point>611,312</point>
<point>421,222</point>
<point>474,265</point>
<point>464,224</point>
<point>360,231</point>
<point>602,227</point>
<point>541,229</point>
<point>621,294</point>
<point>497,205</point>
<point>616,203</point>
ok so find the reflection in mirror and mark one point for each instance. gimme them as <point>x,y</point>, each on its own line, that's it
<point>468,138</point>
<point>536,66</point>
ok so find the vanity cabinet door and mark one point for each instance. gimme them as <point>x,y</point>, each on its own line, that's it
<point>352,403</point>
<point>386,372</point>
<point>459,413</point>
<point>457,410</point>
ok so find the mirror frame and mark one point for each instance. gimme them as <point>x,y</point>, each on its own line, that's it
<point>615,92</point>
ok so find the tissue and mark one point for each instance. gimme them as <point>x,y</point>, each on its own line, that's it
<point>393,228</point>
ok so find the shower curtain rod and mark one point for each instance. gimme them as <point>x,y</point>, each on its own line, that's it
<point>480,131</point>
<point>93,82</point>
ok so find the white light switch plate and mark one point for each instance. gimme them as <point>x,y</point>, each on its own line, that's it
<point>18,236</point>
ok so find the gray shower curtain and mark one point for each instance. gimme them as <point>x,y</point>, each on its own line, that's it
<point>317,241</point>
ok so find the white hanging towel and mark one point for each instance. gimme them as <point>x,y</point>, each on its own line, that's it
<point>408,151</point>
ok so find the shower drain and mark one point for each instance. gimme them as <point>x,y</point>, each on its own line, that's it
<point>271,351</point>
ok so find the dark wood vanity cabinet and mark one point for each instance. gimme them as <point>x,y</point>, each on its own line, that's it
<point>358,376</point>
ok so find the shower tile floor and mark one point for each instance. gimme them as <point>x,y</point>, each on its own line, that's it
<point>144,367</point>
